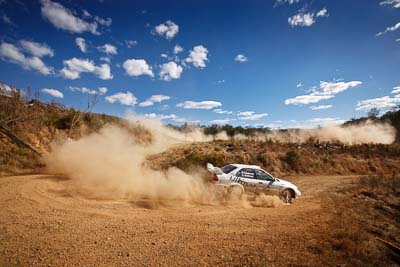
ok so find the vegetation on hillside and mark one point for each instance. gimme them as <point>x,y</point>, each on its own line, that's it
<point>28,126</point>
<point>283,159</point>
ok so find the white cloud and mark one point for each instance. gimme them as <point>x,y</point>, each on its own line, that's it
<point>390,29</point>
<point>220,111</point>
<point>177,49</point>
<point>220,81</point>
<point>164,117</point>
<point>154,99</point>
<point>104,72</point>
<point>130,43</point>
<point>393,3</point>
<point>299,85</point>
<point>321,107</point>
<point>290,2</point>
<point>198,56</point>
<point>337,87</point>
<point>379,103</point>
<point>199,105</point>
<point>109,49</point>
<point>146,103</point>
<point>302,19</point>
<point>101,21</point>
<point>127,99</point>
<point>306,19</point>
<point>322,13</point>
<point>65,19</point>
<point>11,53</point>
<point>169,71</point>
<point>241,58</point>
<point>163,55</point>
<point>326,90</point>
<point>86,14</point>
<point>163,107</point>
<point>74,67</point>
<point>222,121</point>
<point>104,22</point>
<point>168,29</point>
<point>103,90</point>
<point>396,90</point>
<point>307,99</point>
<point>245,113</point>
<point>105,59</point>
<point>37,49</point>
<point>137,67</point>
<point>53,92</point>
<point>81,43</point>
<point>251,115</point>
<point>85,90</point>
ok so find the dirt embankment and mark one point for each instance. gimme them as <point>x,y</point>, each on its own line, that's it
<point>284,159</point>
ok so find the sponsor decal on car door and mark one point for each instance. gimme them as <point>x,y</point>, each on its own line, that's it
<point>245,177</point>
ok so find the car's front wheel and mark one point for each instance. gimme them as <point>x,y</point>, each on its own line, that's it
<point>287,196</point>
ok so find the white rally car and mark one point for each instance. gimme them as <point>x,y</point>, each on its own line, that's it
<point>239,177</point>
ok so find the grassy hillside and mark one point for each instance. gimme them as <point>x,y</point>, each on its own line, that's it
<point>285,159</point>
<point>28,126</point>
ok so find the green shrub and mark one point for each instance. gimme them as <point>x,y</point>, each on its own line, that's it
<point>292,158</point>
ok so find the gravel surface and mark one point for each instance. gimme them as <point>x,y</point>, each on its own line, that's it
<point>46,221</point>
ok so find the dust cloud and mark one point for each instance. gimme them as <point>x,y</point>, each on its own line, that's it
<point>265,201</point>
<point>366,133</point>
<point>110,161</point>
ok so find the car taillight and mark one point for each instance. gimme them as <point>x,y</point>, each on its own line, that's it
<point>215,178</point>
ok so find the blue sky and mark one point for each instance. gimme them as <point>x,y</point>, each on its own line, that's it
<point>281,63</point>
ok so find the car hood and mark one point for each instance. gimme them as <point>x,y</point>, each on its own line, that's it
<point>285,183</point>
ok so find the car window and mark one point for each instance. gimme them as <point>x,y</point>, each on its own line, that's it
<point>246,173</point>
<point>262,175</point>
<point>228,168</point>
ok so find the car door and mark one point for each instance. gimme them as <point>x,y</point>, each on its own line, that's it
<point>265,181</point>
<point>247,178</point>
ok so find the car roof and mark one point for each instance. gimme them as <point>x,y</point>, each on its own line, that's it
<point>245,166</point>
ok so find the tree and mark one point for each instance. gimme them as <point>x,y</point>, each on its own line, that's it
<point>212,130</point>
<point>374,112</point>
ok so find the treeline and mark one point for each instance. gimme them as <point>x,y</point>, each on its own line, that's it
<point>19,109</point>
<point>392,117</point>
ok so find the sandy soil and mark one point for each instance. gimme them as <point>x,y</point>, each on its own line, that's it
<point>45,221</point>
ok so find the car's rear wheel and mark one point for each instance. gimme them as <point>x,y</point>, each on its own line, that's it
<point>287,196</point>
<point>235,192</point>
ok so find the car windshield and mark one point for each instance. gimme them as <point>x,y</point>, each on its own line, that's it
<point>228,168</point>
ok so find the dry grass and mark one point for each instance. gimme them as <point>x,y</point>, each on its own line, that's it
<point>364,215</point>
<point>38,124</point>
<point>286,159</point>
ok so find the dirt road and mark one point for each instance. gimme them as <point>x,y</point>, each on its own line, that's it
<point>44,221</point>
